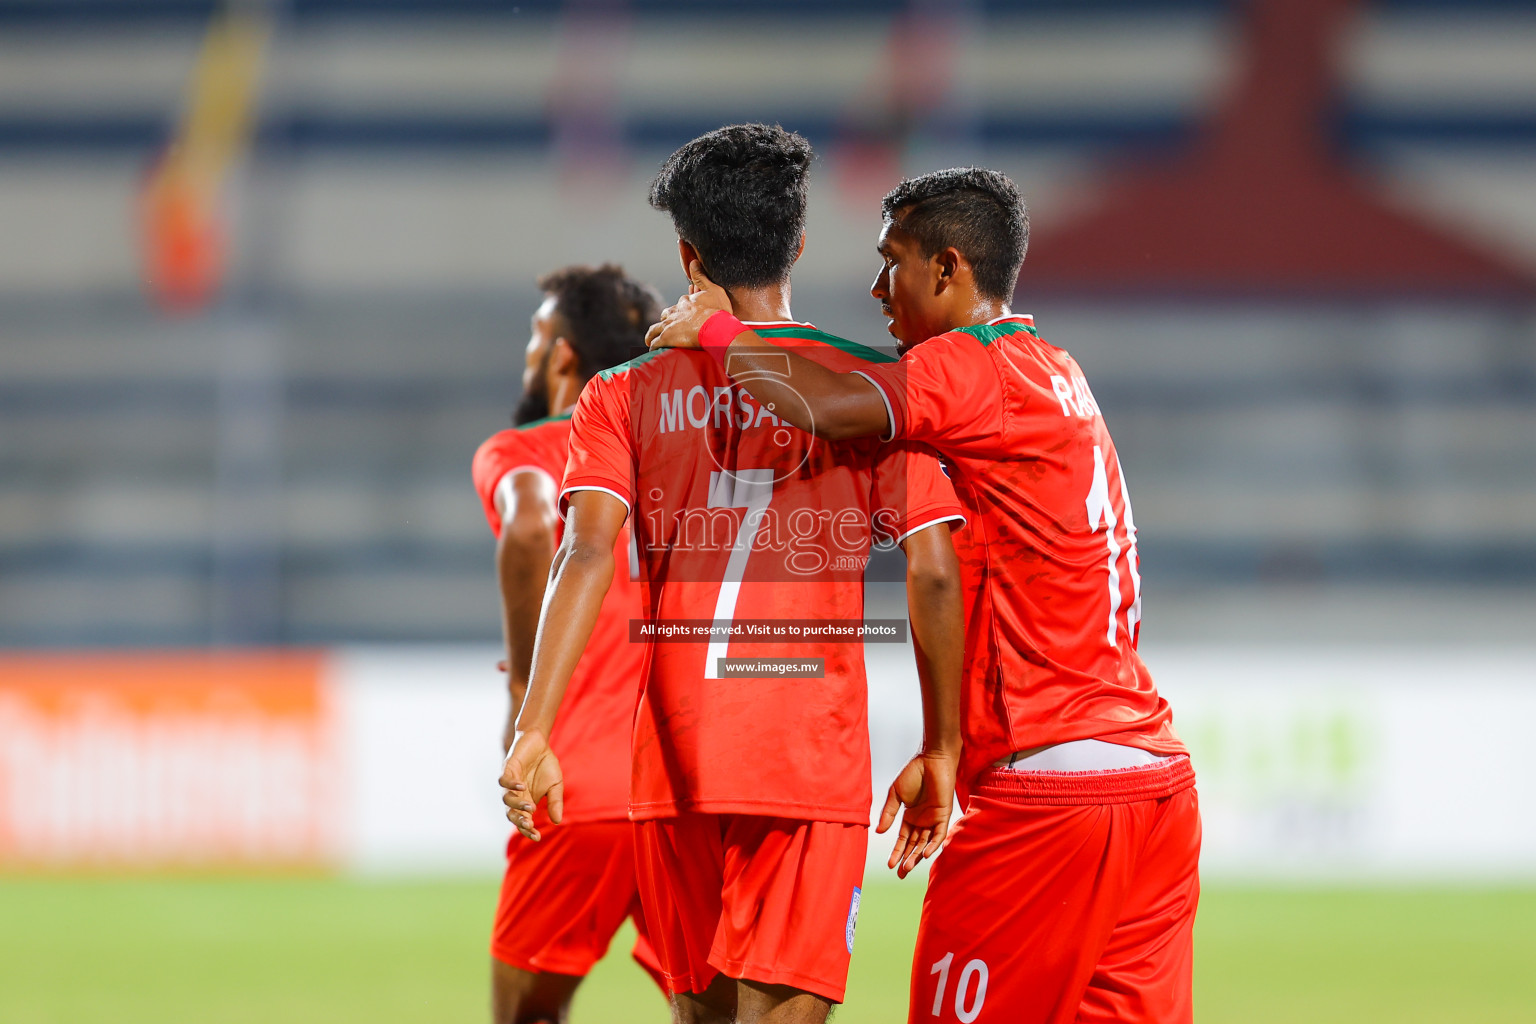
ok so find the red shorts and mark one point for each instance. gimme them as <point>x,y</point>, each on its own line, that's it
<point>771,900</point>
<point>563,898</point>
<point>1062,898</point>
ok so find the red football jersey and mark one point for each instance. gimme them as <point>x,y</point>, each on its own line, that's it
<point>1053,585</point>
<point>742,519</point>
<point>592,736</point>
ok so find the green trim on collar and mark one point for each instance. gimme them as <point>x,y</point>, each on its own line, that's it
<point>988,333</point>
<point>853,348</point>
<point>547,419</point>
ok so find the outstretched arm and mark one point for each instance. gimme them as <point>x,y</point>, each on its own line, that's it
<point>824,402</point>
<point>927,784</point>
<point>579,577</point>
<point>526,503</point>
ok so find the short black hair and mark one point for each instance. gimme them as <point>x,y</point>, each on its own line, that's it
<point>979,212</point>
<point>737,195</point>
<point>604,314</point>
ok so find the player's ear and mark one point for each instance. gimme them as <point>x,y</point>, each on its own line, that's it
<point>686,254</point>
<point>946,267</point>
<point>800,251</point>
<point>563,361</point>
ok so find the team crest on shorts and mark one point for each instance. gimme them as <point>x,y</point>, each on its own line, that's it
<point>853,917</point>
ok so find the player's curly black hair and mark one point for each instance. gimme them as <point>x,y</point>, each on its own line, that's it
<point>604,314</point>
<point>979,212</point>
<point>737,195</point>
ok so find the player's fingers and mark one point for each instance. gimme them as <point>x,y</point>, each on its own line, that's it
<point>899,849</point>
<point>520,818</point>
<point>941,834</point>
<point>935,841</point>
<point>699,278</point>
<point>557,802</point>
<point>906,860</point>
<point>654,333</point>
<point>501,666</point>
<point>925,851</point>
<point>915,857</point>
<point>888,812</point>
<point>512,773</point>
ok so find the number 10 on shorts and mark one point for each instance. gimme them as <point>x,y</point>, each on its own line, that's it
<point>970,988</point>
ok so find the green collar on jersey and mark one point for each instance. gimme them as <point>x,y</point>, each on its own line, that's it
<point>547,419</point>
<point>988,333</point>
<point>614,371</point>
<point>853,348</point>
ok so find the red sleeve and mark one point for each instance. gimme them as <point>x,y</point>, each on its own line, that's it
<point>944,392</point>
<point>501,454</point>
<point>602,447</point>
<point>912,491</point>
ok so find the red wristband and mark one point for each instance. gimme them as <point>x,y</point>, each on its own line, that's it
<point>717,334</point>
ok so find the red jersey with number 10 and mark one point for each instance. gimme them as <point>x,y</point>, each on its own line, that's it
<point>741,518</point>
<point>1053,585</point>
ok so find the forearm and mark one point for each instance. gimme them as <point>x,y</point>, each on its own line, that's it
<point>938,636</point>
<point>824,402</point>
<point>522,569</point>
<point>579,579</point>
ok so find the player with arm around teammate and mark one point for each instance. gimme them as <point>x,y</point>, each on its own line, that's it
<point>563,899</point>
<point>751,775</point>
<point>1069,887</point>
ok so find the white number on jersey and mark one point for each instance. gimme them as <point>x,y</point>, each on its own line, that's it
<point>968,1003</point>
<point>751,489</point>
<point>1101,512</point>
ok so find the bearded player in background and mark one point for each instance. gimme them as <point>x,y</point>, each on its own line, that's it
<point>563,899</point>
<point>1068,890</point>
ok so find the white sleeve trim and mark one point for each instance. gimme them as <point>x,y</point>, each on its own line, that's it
<point>931,522</point>
<point>501,494</point>
<point>561,503</point>
<point>890,414</point>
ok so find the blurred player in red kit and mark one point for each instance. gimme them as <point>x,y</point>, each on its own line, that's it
<point>751,775</point>
<point>1069,886</point>
<point>563,899</point>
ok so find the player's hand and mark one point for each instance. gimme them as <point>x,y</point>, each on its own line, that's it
<point>508,735</point>
<point>530,773</point>
<point>927,787</point>
<point>679,325</point>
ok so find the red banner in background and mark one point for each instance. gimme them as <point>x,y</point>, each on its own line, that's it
<point>167,759</point>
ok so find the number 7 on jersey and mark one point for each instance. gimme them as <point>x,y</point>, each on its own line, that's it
<point>751,489</point>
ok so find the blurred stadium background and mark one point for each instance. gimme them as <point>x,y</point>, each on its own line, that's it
<point>265,275</point>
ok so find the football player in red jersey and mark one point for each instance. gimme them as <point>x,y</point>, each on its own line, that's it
<point>1068,889</point>
<point>751,775</point>
<point>563,899</point>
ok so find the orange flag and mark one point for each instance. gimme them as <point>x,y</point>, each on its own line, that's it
<point>184,234</point>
